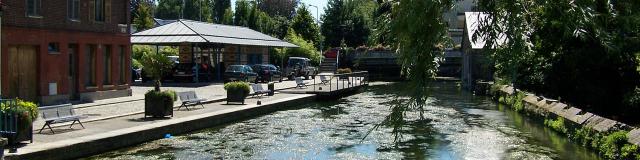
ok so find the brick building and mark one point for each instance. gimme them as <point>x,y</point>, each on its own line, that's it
<point>65,50</point>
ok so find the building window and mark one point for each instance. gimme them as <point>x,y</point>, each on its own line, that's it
<point>90,79</point>
<point>107,64</point>
<point>73,11</point>
<point>33,8</point>
<point>123,66</point>
<point>99,10</point>
<point>54,48</point>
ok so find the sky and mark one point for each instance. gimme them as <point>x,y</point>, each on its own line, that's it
<point>320,3</point>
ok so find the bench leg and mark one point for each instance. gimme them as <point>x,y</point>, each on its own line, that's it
<point>45,125</point>
<point>71,126</point>
<point>80,124</point>
<point>51,129</point>
<point>201,104</point>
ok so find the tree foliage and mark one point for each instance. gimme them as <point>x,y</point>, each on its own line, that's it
<point>199,10</point>
<point>305,49</point>
<point>144,17</point>
<point>282,8</point>
<point>155,64</point>
<point>241,16</point>
<point>578,51</point>
<point>421,35</point>
<point>354,17</point>
<point>304,24</point>
<point>222,12</point>
<point>169,9</point>
<point>135,4</point>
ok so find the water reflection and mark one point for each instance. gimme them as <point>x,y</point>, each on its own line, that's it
<point>458,125</point>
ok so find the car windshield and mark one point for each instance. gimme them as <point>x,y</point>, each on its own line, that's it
<point>293,62</point>
<point>234,68</point>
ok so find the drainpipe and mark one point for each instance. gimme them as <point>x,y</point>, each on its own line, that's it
<point>1,9</point>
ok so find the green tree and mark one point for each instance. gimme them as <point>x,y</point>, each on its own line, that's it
<point>579,51</point>
<point>354,17</point>
<point>169,9</point>
<point>332,23</point>
<point>144,19</point>
<point>283,8</point>
<point>421,34</point>
<point>199,10</point>
<point>220,14</point>
<point>135,4</point>
<point>241,16</point>
<point>305,49</point>
<point>156,65</point>
<point>304,24</point>
<point>228,17</point>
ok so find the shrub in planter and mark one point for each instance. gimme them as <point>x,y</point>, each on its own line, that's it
<point>344,71</point>
<point>26,113</point>
<point>159,103</point>
<point>236,91</point>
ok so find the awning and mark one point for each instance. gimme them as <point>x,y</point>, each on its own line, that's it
<point>187,31</point>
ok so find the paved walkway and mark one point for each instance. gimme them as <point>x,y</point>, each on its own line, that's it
<point>121,130</point>
<point>117,107</point>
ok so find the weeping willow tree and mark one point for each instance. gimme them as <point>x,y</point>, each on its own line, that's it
<point>579,51</point>
<point>419,36</point>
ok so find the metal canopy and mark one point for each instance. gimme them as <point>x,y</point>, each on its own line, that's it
<point>187,31</point>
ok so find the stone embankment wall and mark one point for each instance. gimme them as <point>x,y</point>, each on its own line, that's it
<point>610,138</point>
<point>545,106</point>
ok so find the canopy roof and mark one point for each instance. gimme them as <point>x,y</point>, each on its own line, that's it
<point>187,31</point>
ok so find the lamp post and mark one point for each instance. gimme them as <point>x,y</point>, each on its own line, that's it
<point>317,21</point>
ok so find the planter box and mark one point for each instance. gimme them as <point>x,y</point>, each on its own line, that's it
<point>158,106</point>
<point>236,96</point>
<point>24,130</point>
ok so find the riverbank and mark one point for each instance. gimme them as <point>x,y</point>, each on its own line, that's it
<point>610,138</point>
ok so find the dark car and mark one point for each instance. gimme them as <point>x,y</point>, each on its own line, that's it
<point>239,73</point>
<point>183,72</point>
<point>267,72</point>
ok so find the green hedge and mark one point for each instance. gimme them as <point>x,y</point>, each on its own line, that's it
<point>235,86</point>
<point>167,93</point>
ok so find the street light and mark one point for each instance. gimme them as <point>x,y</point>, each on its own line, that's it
<point>317,21</point>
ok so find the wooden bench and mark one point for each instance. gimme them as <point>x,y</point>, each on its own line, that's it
<point>258,90</point>
<point>190,98</point>
<point>300,83</point>
<point>59,114</point>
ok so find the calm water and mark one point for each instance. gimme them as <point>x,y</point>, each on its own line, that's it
<point>458,125</point>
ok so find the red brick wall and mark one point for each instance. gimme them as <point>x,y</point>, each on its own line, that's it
<point>54,16</point>
<point>54,67</point>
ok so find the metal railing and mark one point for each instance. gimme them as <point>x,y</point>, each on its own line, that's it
<point>336,82</point>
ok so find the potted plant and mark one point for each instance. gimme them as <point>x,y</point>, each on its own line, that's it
<point>157,103</point>
<point>25,113</point>
<point>344,71</point>
<point>237,91</point>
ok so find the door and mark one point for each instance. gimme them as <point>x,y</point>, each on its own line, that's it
<point>73,72</point>
<point>23,72</point>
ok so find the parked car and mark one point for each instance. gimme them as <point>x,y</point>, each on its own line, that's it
<point>239,73</point>
<point>267,72</point>
<point>300,67</point>
<point>183,72</point>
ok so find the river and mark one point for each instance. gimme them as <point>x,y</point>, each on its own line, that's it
<point>457,125</point>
